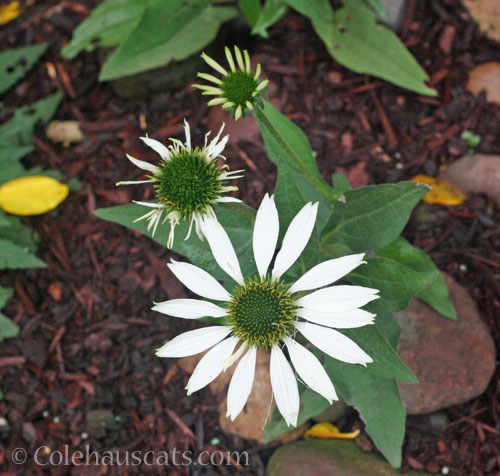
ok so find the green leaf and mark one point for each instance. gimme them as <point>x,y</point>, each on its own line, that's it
<point>12,154</point>
<point>372,216</point>
<point>15,63</point>
<point>251,10</point>
<point>10,170</point>
<point>311,404</point>
<point>436,293</point>
<point>13,256</point>
<point>396,282</point>
<point>4,219</point>
<point>108,25</point>
<point>167,31</point>
<point>17,132</point>
<point>273,10</point>
<point>356,41</point>
<point>13,230</point>
<point>378,402</point>
<point>376,6</point>
<point>8,328</point>
<point>237,220</point>
<point>340,183</point>
<point>5,294</point>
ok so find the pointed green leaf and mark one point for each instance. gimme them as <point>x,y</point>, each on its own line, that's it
<point>13,256</point>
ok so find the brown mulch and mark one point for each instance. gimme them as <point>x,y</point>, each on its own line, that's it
<point>88,334</point>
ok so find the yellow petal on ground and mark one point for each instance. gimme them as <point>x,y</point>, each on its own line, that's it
<point>442,193</point>
<point>12,10</point>
<point>32,195</point>
<point>326,430</point>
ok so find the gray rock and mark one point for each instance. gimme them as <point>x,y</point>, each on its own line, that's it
<point>328,458</point>
<point>453,360</point>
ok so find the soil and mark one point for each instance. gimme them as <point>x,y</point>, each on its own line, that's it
<point>88,334</point>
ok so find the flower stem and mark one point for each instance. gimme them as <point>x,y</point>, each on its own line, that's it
<point>321,185</point>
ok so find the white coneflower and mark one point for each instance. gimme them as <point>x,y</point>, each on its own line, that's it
<point>262,312</point>
<point>240,89</point>
<point>187,182</point>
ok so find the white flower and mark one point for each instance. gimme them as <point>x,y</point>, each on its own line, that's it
<point>240,89</point>
<point>187,182</point>
<point>263,312</point>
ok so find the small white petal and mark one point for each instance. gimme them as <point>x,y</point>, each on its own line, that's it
<point>262,85</point>
<point>222,248</point>
<point>209,368</point>
<point>228,200</point>
<point>133,182</point>
<point>285,388</point>
<point>193,342</point>
<point>310,370</point>
<point>238,113</point>
<point>239,58</point>
<point>247,61</point>
<point>333,343</point>
<point>214,64</point>
<point>241,384</point>
<point>265,234</point>
<point>216,101</point>
<point>143,165</point>
<point>190,308</point>
<point>209,77</point>
<point>338,298</point>
<point>157,147</point>
<point>327,272</point>
<point>149,204</point>
<point>339,320</point>
<point>198,281</point>
<point>296,239</point>
<point>187,131</point>
<point>229,57</point>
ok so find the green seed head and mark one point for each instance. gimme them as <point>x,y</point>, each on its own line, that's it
<point>239,87</point>
<point>188,183</point>
<point>262,313</point>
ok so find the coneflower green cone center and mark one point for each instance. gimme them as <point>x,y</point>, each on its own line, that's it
<point>238,87</point>
<point>188,182</point>
<point>262,313</point>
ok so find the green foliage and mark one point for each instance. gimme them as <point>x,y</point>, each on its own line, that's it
<point>15,63</point>
<point>7,327</point>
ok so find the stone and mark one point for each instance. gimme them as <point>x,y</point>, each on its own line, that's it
<point>328,458</point>
<point>486,77</point>
<point>486,13</point>
<point>394,11</point>
<point>65,132</point>
<point>453,360</point>
<point>251,421</point>
<point>479,173</point>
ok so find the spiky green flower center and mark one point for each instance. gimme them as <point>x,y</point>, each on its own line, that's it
<point>188,183</point>
<point>262,313</point>
<point>238,87</point>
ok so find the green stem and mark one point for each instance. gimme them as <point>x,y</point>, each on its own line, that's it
<point>317,181</point>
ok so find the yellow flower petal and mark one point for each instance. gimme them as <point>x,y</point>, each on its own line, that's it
<point>442,193</point>
<point>32,195</point>
<point>326,430</point>
<point>12,10</point>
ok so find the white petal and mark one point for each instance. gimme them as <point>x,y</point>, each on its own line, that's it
<point>333,343</point>
<point>193,342</point>
<point>228,200</point>
<point>199,281</point>
<point>132,182</point>
<point>265,234</point>
<point>149,204</point>
<point>285,388</point>
<point>296,238</point>
<point>310,370</point>
<point>338,298</point>
<point>209,367</point>
<point>339,320</point>
<point>190,308</point>
<point>143,165</point>
<point>327,272</point>
<point>241,384</point>
<point>222,248</point>
<point>157,147</point>
<point>214,64</point>
<point>187,131</point>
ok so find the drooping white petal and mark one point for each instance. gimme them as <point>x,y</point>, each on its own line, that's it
<point>157,147</point>
<point>143,165</point>
<point>285,388</point>
<point>296,238</point>
<point>310,370</point>
<point>339,320</point>
<point>338,298</point>
<point>241,384</point>
<point>209,368</point>
<point>265,234</point>
<point>198,281</point>
<point>327,272</point>
<point>193,342</point>
<point>333,343</point>
<point>228,200</point>
<point>222,248</point>
<point>149,204</point>
<point>190,308</point>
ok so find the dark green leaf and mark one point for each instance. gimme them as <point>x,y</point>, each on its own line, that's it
<point>11,154</point>
<point>436,293</point>
<point>372,216</point>
<point>15,63</point>
<point>13,256</point>
<point>19,234</point>
<point>273,10</point>
<point>251,10</point>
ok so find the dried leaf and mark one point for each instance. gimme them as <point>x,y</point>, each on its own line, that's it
<point>66,132</point>
<point>32,195</point>
<point>326,430</point>
<point>487,14</point>
<point>486,77</point>
<point>442,193</point>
